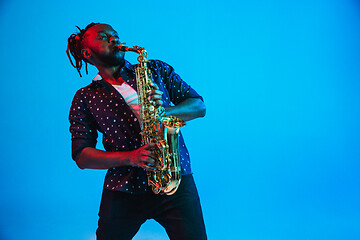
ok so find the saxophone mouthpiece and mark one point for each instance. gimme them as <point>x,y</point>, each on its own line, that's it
<point>122,47</point>
<point>135,49</point>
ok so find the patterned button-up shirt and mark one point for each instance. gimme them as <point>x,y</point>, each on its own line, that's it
<point>100,107</point>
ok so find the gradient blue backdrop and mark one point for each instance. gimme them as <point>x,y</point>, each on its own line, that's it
<point>277,155</point>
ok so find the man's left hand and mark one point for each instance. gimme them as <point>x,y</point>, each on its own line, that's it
<point>155,95</point>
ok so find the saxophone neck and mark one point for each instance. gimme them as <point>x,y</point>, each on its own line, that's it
<point>139,50</point>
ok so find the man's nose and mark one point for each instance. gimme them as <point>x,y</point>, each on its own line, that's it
<point>114,40</point>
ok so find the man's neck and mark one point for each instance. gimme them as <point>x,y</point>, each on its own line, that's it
<point>111,74</point>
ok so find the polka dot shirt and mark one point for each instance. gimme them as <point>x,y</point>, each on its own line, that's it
<point>99,107</point>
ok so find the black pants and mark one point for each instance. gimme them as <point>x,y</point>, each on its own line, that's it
<point>121,214</point>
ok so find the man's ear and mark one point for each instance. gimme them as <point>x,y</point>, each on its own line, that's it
<point>85,53</point>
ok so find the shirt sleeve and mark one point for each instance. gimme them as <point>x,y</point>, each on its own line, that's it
<point>178,89</point>
<point>82,125</point>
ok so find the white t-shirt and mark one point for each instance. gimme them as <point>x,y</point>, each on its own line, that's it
<point>130,96</point>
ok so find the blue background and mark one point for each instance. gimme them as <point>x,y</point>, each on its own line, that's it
<point>277,155</point>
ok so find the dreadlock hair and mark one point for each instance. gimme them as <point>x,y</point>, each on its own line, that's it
<point>74,47</point>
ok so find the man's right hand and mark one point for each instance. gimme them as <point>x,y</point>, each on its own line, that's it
<point>143,157</point>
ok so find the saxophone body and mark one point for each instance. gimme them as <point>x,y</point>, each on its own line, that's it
<point>159,129</point>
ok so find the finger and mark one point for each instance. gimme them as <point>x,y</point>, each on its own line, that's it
<point>150,146</point>
<point>155,97</point>
<point>155,92</point>
<point>154,85</point>
<point>158,103</point>
<point>148,166</point>
<point>148,157</point>
<point>151,155</point>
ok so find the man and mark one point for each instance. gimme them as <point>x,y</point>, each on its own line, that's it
<point>109,105</point>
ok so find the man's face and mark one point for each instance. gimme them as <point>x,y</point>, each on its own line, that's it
<point>102,42</point>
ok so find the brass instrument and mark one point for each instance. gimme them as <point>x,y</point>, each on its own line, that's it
<point>159,129</point>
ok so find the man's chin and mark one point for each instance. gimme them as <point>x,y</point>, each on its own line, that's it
<point>114,62</point>
<point>119,58</point>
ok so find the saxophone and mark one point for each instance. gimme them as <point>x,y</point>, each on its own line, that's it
<point>159,129</point>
